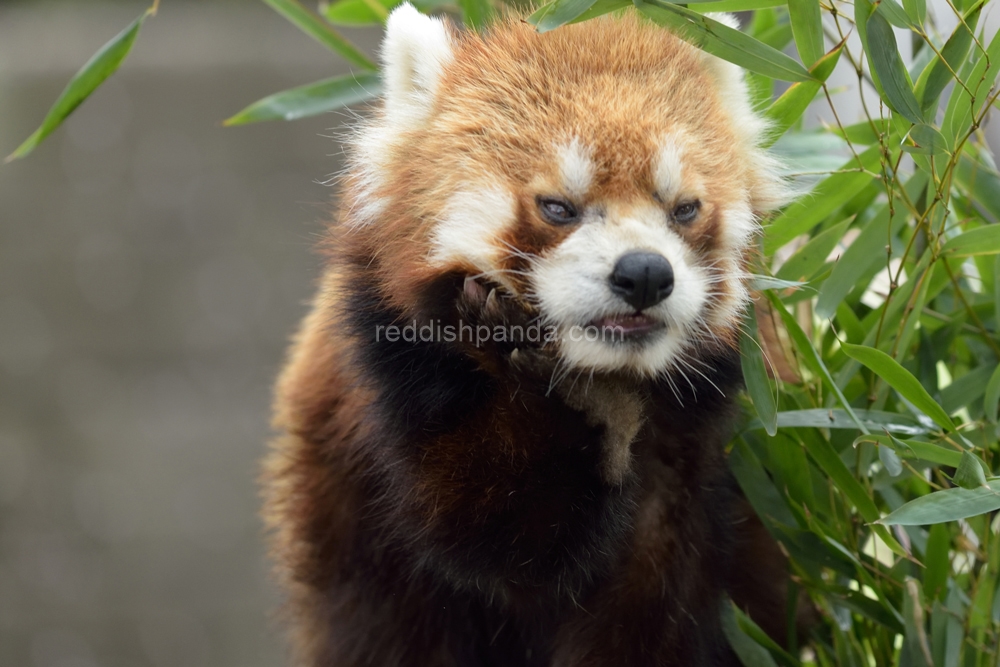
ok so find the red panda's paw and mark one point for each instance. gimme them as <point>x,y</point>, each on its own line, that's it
<point>508,334</point>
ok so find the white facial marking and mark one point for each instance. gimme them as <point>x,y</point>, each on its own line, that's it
<point>668,173</point>
<point>573,290</point>
<point>739,225</point>
<point>468,229</point>
<point>575,167</point>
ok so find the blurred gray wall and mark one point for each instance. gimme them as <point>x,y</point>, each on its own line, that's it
<point>152,267</point>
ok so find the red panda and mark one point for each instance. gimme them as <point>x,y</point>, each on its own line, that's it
<point>503,422</point>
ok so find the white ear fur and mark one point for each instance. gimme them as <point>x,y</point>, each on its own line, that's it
<point>415,52</point>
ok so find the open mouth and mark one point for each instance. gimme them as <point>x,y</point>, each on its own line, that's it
<point>628,327</point>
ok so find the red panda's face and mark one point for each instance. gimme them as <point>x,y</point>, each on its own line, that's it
<point>607,176</point>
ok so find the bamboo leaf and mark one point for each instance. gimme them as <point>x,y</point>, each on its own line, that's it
<point>983,240</point>
<point>969,474</point>
<point>938,73</point>
<point>947,505</point>
<point>937,564</point>
<point>874,420</point>
<point>915,449</point>
<point>896,15</point>
<point>558,13</point>
<point>890,459</point>
<point>807,28</point>
<point>866,250</point>
<point>890,70</point>
<point>788,108</point>
<point>810,257</point>
<point>755,376</point>
<point>722,41</point>
<point>311,99</point>
<point>313,25</point>
<point>354,13</point>
<point>750,653</point>
<point>962,108</point>
<point>828,196</point>
<point>992,397</point>
<point>101,65</point>
<point>917,11</point>
<point>899,379</point>
<point>926,140</point>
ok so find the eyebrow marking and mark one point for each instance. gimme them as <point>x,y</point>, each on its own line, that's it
<point>668,172</point>
<point>575,167</point>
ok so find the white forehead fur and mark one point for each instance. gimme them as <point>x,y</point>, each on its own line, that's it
<point>469,227</point>
<point>576,167</point>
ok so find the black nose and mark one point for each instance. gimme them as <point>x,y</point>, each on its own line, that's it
<point>642,279</point>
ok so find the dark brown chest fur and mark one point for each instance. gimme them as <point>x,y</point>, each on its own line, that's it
<point>429,512</point>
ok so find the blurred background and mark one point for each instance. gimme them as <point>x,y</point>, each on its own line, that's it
<point>152,267</point>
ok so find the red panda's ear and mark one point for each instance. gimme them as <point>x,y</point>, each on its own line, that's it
<point>415,52</point>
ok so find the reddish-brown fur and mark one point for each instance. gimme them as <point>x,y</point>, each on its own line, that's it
<point>448,504</point>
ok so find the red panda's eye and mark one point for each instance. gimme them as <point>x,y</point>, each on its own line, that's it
<point>686,212</point>
<point>557,211</point>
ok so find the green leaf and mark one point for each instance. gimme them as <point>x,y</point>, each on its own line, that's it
<point>354,13</point>
<point>937,564</point>
<point>969,474</point>
<point>558,13</point>
<point>600,8</point>
<point>915,449</point>
<point>830,462</point>
<point>760,283</point>
<point>734,5</point>
<point>899,379</point>
<point>477,14</point>
<point>757,382</point>
<point>313,25</point>
<point>750,653</point>
<point>101,65</point>
<point>757,486</point>
<point>890,70</point>
<point>983,240</point>
<point>890,459</point>
<point>926,140</point>
<point>812,358</point>
<point>311,99</point>
<point>947,505</point>
<point>916,649</point>
<point>866,250</point>
<point>807,27</point>
<point>722,41</point>
<point>917,11</point>
<point>828,196</point>
<point>979,182</point>
<point>932,81</point>
<point>895,14</point>
<point>992,397</point>
<point>961,108</point>
<point>754,632</point>
<point>807,259</point>
<point>874,420</point>
<point>788,108</point>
